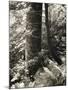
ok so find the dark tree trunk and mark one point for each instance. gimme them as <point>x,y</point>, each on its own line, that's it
<point>33,37</point>
<point>52,49</point>
<point>33,29</point>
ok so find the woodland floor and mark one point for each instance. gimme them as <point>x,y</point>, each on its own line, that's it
<point>51,74</point>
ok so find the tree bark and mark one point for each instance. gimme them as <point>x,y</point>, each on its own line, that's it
<point>33,29</point>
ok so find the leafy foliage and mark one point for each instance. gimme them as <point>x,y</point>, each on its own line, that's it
<point>48,69</point>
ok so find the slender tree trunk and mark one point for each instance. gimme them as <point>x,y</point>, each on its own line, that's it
<point>33,29</point>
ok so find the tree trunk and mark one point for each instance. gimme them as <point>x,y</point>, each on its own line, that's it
<point>33,29</point>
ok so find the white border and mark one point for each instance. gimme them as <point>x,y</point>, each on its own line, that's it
<point>45,1</point>
<point>4,43</point>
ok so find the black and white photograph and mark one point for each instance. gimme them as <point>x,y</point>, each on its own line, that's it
<point>37,44</point>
